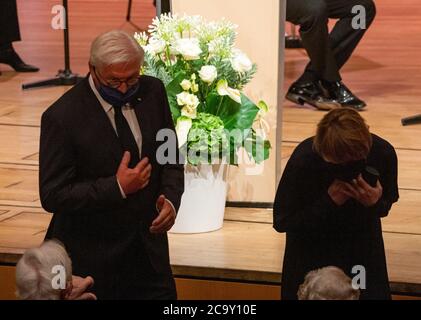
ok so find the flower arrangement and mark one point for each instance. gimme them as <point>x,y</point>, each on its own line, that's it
<point>204,75</point>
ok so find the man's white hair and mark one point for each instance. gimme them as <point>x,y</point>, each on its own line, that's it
<point>34,271</point>
<point>328,283</point>
<point>115,47</point>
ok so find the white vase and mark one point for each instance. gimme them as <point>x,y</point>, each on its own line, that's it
<point>203,202</point>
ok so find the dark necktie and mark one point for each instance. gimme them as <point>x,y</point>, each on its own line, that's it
<point>125,135</point>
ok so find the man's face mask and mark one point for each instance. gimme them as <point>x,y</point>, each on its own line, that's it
<point>115,97</point>
<point>347,171</point>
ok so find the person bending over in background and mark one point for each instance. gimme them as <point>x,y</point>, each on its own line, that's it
<point>330,201</point>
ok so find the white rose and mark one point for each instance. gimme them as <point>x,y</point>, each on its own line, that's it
<point>224,90</point>
<point>186,99</point>
<point>193,101</point>
<point>185,84</point>
<point>189,112</point>
<point>188,48</point>
<point>208,74</point>
<point>241,63</point>
<point>155,46</point>
<point>182,98</point>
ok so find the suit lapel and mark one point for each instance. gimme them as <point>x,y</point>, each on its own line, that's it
<point>140,110</point>
<point>102,124</point>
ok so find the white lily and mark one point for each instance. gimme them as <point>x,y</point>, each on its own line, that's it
<point>182,129</point>
<point>224,90</point>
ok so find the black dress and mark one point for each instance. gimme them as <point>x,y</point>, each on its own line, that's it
<point>319,233</point>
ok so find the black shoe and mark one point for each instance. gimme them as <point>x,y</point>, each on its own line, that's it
<point>339,92</point>
<point>10,57</point>
<point>310,93</point>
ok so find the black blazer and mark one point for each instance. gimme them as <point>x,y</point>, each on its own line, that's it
<point>106,236</point>
<point>319,233</point>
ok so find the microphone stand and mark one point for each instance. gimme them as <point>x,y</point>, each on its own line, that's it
<point>411,120</point>
<point>129,15</point>
<point>64,77</point>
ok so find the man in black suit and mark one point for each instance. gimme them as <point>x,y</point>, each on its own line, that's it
<point>321,83</point>
<point>9,32</point>
<point>112,200</point>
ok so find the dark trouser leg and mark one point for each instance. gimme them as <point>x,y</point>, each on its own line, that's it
<point>9,24</point>
<point>312,16</point>
<point>344,38</point>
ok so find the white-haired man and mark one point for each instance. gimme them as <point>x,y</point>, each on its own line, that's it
<point>45,273</point>
<point>328,283</point>
<point>112,201</point>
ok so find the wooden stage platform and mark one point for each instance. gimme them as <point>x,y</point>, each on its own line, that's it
<point>385,71</point>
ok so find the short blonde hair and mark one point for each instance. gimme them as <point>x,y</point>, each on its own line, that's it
<point>342,136</point>
<point>328,283</point>
<point>34,271</point>
<point>115,47</point>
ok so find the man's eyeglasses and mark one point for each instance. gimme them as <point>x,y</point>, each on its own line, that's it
<point>116,83</point>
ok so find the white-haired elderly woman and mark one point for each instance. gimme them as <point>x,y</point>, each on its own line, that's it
<point>45,273</point>
<point>328,283</point>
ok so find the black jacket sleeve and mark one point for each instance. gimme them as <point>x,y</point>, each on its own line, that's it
<point>59,189</point>
<point>389,182</point>
<point>292,210</point>
<point>172,177</point>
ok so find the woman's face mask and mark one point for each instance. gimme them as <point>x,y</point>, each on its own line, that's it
<point>346,171</point>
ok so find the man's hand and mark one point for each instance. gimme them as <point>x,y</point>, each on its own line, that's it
<point>79,287</point>
<point>337,193</point>
<point>365,194</point>
<point>133,180</point>
<point>166,217</point>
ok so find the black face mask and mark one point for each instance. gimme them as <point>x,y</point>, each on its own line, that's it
<point>346,171</point>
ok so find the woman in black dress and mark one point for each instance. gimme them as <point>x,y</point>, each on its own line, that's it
<point>330,214</point>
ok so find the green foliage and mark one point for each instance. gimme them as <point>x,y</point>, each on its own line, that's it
<point>204,75</point>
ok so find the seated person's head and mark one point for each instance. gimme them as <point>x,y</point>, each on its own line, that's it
<point>38,270</point>
<point>342,136</point>
<point>328,283</point>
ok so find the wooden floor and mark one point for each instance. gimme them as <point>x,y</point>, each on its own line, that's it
<point>384,71</point>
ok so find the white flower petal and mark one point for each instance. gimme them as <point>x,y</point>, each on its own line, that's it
<point>182,129</point>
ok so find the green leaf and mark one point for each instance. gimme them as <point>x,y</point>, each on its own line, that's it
<point>174,88</point>
<point>256,147</point>
<point>234,115</point>
<point>263,106</point>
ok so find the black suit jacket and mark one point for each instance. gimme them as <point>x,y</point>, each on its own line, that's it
<point>106,236</point>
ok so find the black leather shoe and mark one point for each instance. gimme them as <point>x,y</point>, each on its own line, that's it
<point>338,92</point>
<point>310,93</point>
<point>10,57</point>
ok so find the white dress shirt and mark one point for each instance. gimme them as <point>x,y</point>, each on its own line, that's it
<point>130,115</point>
